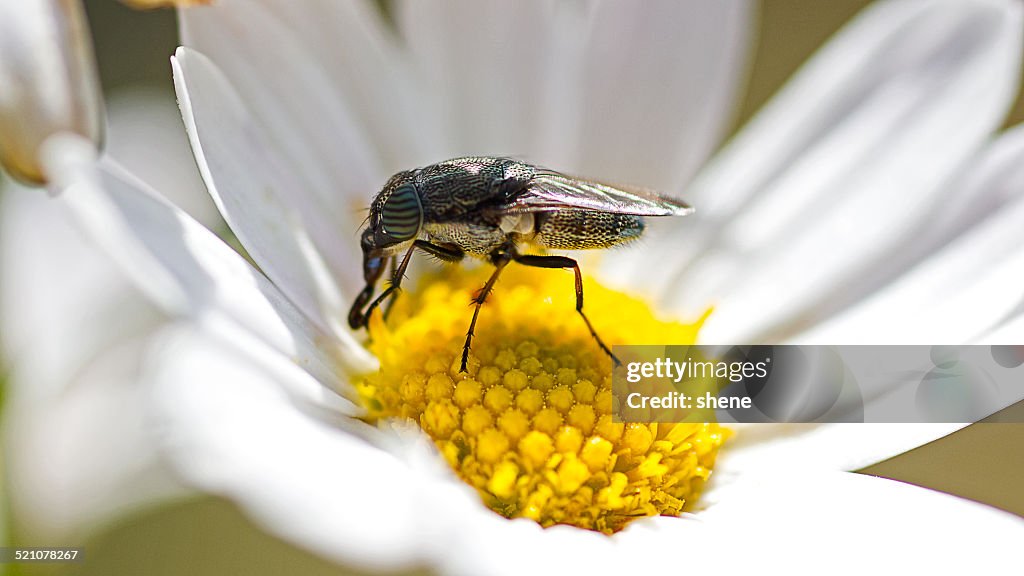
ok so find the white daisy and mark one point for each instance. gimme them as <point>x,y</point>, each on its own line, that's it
<point>297,114</point>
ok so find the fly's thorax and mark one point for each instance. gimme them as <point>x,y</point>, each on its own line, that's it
<point>458,189</point>
<point>586,229</point>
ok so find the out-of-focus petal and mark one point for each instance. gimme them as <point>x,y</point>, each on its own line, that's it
<point>969,287</point>
<point>61,300</point>
<point>300,248</point>
<point>73,330</point>
<point>657,87</point>
<point>58,296</point>
<point>232,430</point>
<point>77,450</point>
<point>636,96</point>
<point>353,44</point>
<point>483,64</point>
<point>292,96</point>
<point>187,270</point>
<point>842,166</point>
<point>85,453</point>
<point>48,81</point>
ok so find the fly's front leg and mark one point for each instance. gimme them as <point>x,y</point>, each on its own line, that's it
<point>500,260</point>
<point>565,262</point>
<point>443,252</point>
<point>393,287</point>
<point>393,265</point>
<point>356,320</point>
<point>373,267</point>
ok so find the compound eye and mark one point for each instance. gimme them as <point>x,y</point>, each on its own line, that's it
<point>401,214</point>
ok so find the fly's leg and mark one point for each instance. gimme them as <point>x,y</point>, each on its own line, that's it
<point>500,261</point>
<point>442,252</point>
<point>356,320</point>
<point>373,267</point>
<point>565,262</point>
<point>393,264</point>
<point>393,287</point>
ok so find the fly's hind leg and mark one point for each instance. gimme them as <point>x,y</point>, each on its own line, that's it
<point>566,262</point>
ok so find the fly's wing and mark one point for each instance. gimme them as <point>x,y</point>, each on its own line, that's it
<point>548,191</point>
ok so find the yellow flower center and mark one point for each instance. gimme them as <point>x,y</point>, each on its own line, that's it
<point>530,425</point>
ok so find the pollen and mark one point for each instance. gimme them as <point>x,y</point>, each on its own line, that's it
<point>529,425</point>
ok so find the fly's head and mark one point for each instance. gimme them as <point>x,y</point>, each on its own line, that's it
<point>396,217</point>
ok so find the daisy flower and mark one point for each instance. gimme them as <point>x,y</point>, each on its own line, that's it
<point>827,215</point>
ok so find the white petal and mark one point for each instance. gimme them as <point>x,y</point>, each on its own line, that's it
<point>658,86</point>
<point>762,448</point>
<point>842,167</point>
<point>487,543</point>
<point>1009,333</point>
<point>232,430</point>
<point>571,86</point>
<point>967,288</point>
<point>48,81</point>
<point>187,270</point>
<point>84,454</point>
<point>50,329</point>
<point>291,94</point>
<point>72,328</point>
<point>360,54</point>
<point>801,523</point>
<point>58,296</point>
<point>848,523</point>
<point>483,65</point>
<point>285,230</point>
<point>145,135</point>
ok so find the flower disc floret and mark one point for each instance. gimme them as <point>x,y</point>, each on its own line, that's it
<point>530,424</point>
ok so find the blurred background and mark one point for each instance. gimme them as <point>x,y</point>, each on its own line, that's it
<point>206,535</point>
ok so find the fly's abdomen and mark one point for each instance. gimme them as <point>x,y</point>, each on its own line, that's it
<point>586,229</point>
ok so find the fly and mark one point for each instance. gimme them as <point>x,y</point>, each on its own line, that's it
<point>489,207</point>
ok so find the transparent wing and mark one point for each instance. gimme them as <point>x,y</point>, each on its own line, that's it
<point>551,190</point>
